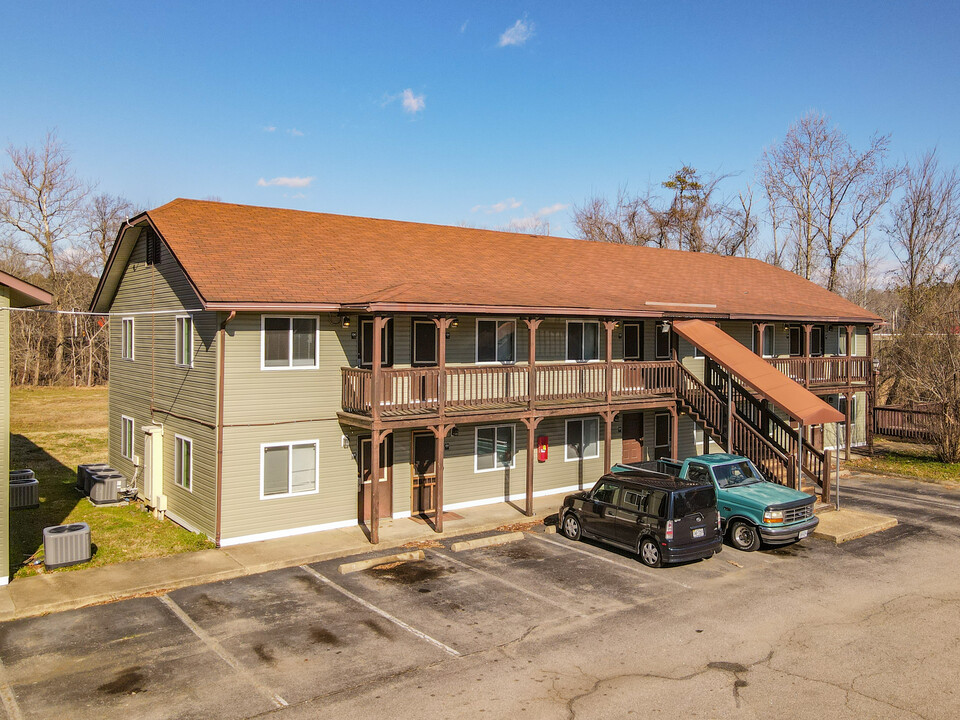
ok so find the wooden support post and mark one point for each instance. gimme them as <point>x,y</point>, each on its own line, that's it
<point>608,325</point>
<point>531,424</point>
<point>799,454</point>
<point>376,398</point>
<point>443,324</point>
<point>440,434</point>
<point>759,329</point>
<point>532,325</point>
<point>807,330</point>
<point>674,432</point>
<point>730,410</point>
<point>847,430</point>
<point>828,457</point>
<point>608,416</point>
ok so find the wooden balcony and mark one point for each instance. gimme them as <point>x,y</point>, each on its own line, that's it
<point>415,391</point>
<point>825,371</point>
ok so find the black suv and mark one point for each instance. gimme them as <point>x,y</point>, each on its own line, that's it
<point>663,520</point>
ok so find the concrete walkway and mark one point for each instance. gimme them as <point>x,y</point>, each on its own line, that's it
<point>58,591</point>
<point>843,525</point>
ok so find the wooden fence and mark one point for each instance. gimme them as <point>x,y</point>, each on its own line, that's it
<point>907,423</point>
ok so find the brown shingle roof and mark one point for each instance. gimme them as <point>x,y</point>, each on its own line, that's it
<point>243,254</point>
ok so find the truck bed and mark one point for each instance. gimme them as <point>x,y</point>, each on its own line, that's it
<point>664,466</point>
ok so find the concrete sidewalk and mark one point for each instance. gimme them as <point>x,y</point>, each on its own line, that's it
<point>58,591</point>
<point>843,525</point>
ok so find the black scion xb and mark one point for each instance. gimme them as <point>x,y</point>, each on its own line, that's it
<point>661,518</point>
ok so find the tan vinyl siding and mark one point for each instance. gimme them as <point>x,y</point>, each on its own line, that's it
<point>4,431</point>
<point>153,379</point>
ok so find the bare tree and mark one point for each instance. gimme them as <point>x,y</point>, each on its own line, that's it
<point>924,230</point>
<point>629,220</point>
<point>41,206</point>
<point>102,220</point>
<point>828,192</point>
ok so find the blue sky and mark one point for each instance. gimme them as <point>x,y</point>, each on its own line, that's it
<point>448,112</point>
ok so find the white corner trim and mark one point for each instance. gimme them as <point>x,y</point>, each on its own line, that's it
<point>513,498</point>
<point>291,532</point>
<point>4,580</point>
<point>402,515</point>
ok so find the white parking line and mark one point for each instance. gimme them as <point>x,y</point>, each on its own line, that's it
<point>503,581</point>
<point>216,647</point>
<point>574,548</point>
<point>8,697</point>
<point>382,613</point>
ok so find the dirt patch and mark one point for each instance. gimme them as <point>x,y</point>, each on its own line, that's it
<point>422,544</point>
<point>322,636</point>
<point>264,654</point>
<point>128,682</point>
<point>409,573</point>
<point>520,527</point>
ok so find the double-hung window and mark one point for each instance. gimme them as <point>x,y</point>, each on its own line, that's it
<point>289,469</point>
<point>496,341</point>
<point>184,341</point>
<point>288,342</point>
<point>126,338</point>
<point>583,341</point>
<point>126,437</point>
<point>494,448</point>
<point>583,439</point>
<point>183,462</point>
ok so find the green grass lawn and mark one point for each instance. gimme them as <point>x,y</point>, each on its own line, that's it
<point>52,430</point>
<point>906,460</point>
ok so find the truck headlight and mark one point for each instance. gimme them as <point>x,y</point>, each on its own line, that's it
<point>773,516</point>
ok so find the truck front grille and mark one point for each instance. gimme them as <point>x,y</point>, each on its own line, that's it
<point>799,513</point>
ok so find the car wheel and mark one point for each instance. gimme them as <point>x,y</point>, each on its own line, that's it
<point>570,526</point>
<point>650,553</point>
<point>744,536</point>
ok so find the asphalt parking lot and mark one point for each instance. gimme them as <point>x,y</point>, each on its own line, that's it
<point>538,626</point>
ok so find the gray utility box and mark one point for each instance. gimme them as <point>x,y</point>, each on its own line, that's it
<point>24,493</point>
<point>83,472</point>
<point>104,486</point>
<point>65,545</point>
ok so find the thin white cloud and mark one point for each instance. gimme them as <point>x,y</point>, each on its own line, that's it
<point>551,209</point>
<point>517,34</point>
<point>463,28</point>
<point>293,182</point>
<point>537,222</point>
<point>524,223</point>
<point>270,128</point>
<point>295,133</point>
<point>413,103</point>
<point>499,207</point>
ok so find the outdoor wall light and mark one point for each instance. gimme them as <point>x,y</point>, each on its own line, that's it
<point>454,323</point>
<point>346,321</point>
<point>446,446</point>
<point>455,431</point>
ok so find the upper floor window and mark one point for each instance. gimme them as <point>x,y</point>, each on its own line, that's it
<point>496,341</point>
<point>662,333</point>
<point>366,343</point>
<point>632,340</point>
<point>842,342</point>
<point>424,342</point>
<point>766,340</point>
<point>583,341</point>
<point>126,338</point>
<point>184,341</point>
<point>816,341</point>
<point>288,342</point>
<point>796,340</point>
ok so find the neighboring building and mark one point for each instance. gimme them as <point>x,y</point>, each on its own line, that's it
<point>266,364</point>
<point>14,292</point>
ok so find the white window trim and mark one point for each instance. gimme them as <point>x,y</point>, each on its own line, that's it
<point>316,463</point>
<point>291,366</point>
<point>133,337</point>
<point>566,439</point>
<point>476,342</point>
<point>176,341</point>
<point>176,464</point>
<point>476,441</point>
<point>133,429</point>
<point>566,342</point>
<point>436,344</point>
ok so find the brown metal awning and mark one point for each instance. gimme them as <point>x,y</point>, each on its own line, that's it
<point>798,402</point>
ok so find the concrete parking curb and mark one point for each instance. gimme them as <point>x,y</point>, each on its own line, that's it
<point>486,541</point>
<point>358,565</point>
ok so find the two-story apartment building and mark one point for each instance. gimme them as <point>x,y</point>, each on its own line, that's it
<point>276,372</point>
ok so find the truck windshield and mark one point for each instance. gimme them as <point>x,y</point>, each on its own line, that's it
<point>688,502</point>
<point>739,473</point>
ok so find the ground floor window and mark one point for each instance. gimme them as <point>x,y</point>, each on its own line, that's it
<point>126,437</point>
<point>288,469</point>
<point>583,439</point>
<point>494,448</point>
<point>183,462</point>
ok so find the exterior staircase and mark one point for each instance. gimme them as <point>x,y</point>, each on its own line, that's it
<point>756,432</point>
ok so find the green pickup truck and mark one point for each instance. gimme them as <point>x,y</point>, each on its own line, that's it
<point>751,509</point>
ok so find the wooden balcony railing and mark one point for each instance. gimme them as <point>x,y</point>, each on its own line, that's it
<point>409,391</point>
<point>824,370</point>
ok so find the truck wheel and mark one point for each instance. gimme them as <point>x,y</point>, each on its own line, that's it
<point>570,526</point>
<point>744,536</point>
<point>650,553</point>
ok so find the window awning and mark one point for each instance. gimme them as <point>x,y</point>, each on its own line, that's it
<point>798,402</point>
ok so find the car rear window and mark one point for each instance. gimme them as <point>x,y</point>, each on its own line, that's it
<point>687,502</point>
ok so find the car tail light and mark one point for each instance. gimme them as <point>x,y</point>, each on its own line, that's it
<point>669,529</point>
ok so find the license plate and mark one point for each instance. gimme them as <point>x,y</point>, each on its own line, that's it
<point>698,532</point>
<point>802,535</point>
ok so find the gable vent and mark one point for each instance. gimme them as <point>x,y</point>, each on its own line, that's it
<point>153,246</point>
